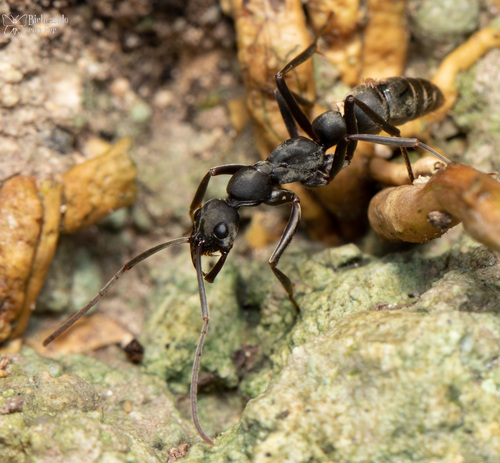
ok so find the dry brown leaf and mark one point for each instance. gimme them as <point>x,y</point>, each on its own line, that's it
<point>385,39</point>
<point>86,335</point>
<point>270,34</point>
<point>21,214</point>
<point>342,34</point>
<point>99,186</point>
<point>30,221</point>
<point>51,194</point>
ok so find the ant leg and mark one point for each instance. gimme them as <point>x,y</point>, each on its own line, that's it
<point>228,169</point>
<point>286,115</point>
<point>291,99</point>
<point>131,263</point>
<point>383,125</point>
<point>351,127</point>
<point>340,158</point>
<point>279,197</point>
<point>287,95</point>
<point>399,142</point>
<point>346,147</point>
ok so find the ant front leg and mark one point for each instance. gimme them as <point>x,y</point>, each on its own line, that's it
<point>228,169</point>
<point>210,276</point>
<point>279,197</point>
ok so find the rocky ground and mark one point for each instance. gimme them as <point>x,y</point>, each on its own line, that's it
<point>394,356</point>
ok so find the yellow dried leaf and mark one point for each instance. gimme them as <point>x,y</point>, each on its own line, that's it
<point>342,34</point>
<point>86,335</point>
<point>270,34</point>
<point>21,215</point>
<point>99,186</point>
<point>385,39</point>
<point>50,193</point>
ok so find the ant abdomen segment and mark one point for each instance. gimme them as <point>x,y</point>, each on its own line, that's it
<point>397,100</point>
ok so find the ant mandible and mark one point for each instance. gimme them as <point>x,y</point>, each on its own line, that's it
<point>368,109</point>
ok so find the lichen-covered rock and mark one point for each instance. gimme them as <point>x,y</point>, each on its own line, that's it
<point>93,413</point>
<point>441,26</point>
<point>392,360</point>
<point>385,386</point>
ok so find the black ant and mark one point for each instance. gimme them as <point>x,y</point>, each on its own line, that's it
<point>368,110</point>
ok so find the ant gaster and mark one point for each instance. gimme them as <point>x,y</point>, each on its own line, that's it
<point>368,109</point>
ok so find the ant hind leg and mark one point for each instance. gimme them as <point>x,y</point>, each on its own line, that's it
<point>394,140</point>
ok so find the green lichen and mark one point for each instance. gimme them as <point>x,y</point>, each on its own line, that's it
<point>442,26</point>
<point>360,384</point>
<point>80,415</point>
<point>477,112</point>
<point>391,359</point>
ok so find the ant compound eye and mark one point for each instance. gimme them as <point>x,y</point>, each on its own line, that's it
<point>221,230</point>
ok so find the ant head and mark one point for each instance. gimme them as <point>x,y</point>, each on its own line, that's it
<point>215,228</point>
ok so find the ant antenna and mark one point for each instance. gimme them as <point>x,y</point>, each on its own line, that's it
<point>204,314</point>
<point>109,284</point>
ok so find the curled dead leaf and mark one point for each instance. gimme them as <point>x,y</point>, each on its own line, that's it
<point>87,334</point>
<point>21,214</point>
<point>30,222</point>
